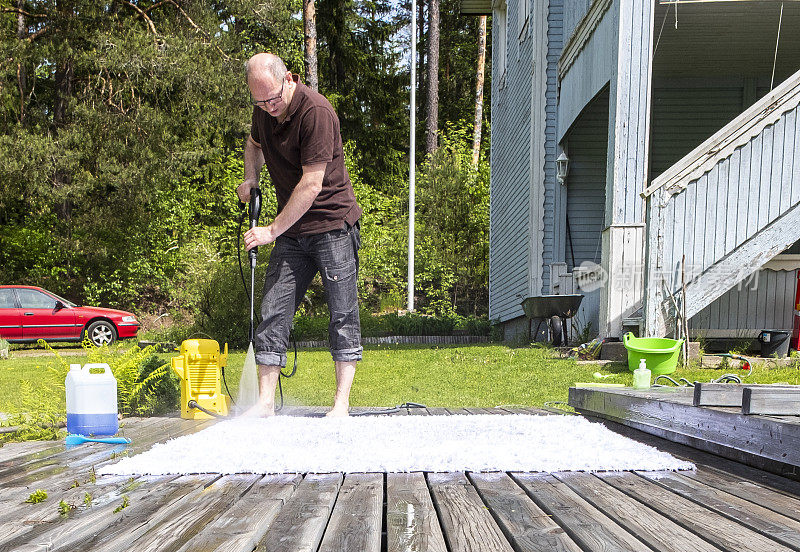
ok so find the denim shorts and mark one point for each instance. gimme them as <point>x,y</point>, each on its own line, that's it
<point>293,263</point>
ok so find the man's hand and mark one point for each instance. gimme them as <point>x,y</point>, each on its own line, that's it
<point>243,191</point>
<point>259,235</point>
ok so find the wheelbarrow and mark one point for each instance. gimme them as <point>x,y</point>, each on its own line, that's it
<point>556,309</point>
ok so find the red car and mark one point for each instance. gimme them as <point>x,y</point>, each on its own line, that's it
<point>29,313</point>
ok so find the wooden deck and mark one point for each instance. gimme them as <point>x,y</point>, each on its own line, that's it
<point>764,441</point>
<point>724,505</point>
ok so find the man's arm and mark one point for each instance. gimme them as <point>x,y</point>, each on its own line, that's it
<point>299,202</point>
<point>253,162</point>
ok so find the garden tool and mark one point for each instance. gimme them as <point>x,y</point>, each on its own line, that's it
<point>248,383</point>
<point>200,367</point>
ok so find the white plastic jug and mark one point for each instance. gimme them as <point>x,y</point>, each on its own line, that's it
<point>91,400</point>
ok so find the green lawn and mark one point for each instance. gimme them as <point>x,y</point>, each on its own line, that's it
<point>457,376</point>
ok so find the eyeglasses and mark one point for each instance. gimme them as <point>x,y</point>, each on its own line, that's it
<point>270,101</point>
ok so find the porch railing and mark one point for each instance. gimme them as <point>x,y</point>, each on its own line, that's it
<point>724,210</point>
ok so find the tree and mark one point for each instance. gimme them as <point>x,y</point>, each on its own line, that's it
<point>364,78</point>
<point>310,31</point>
<point>458,50</point>
<point>432,79</point>
<point>476,133</point>
<point>453,221</point>
<point>115,104</point>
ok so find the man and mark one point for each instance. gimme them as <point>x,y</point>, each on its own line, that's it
<point>295,133</point>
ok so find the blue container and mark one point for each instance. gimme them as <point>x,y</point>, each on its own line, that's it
<point>91,400</point>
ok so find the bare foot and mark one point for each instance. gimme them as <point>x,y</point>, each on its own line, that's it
<point>259,410</point>
<point>338,412</point>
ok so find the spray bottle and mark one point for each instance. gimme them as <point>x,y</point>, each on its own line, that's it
<point>641,376</point>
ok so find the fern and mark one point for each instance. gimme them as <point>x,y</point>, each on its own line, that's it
<point>138,392</point>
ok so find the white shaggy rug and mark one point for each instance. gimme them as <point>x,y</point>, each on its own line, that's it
<point>285,444</point>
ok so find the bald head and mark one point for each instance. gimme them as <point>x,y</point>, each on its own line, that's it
<point>266,66</point>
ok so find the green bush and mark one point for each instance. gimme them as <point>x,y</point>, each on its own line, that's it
<point>223,307</point>
<point>315,328</point>
<point>473,325</point>
<point>418,324</point>
<point>310,328</point>
<point>164,393</point>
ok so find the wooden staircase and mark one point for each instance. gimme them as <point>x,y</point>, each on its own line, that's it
<point>724,210</point>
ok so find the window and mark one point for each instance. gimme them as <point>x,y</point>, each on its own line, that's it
<point>7,299</point>
<point>32,299</point>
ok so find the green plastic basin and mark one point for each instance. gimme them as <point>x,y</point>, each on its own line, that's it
<point>660,354</point>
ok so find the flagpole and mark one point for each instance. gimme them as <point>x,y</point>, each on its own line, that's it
<point>411,156</point>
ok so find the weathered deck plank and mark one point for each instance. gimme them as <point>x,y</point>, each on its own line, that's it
<point>723,431</point>
<point>187,518</point>
<point>355,524</point>
<point>467,524</point>
<point>53,460</point>
<point>14,452</point>
<point>587,525</point>
<point>82,527</point>
<point>748,490</point>
<point>723,532</point>
<point>411,522</point>
<point>758,518</point>
<point>240,527</point>
<point>20,516</point>
<point>527,527</point>
<point>771,401</point>
<point>660,534</point>
<point>709,461</point>
<point>300,524</point>
<point>83,459</point>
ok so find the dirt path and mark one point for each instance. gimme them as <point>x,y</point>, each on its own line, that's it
<point>28,353</point>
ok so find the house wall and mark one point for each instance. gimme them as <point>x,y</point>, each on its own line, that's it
<point>509,232</point>
<point>764,302</point>
<point>553,239</point>
<point>686,111</point>
<point>590,72</point>
<point>587,143</point>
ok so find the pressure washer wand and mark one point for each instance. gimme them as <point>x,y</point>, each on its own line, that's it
<point>255,212</point>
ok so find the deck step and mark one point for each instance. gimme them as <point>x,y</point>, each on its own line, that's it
<point>771,443</point>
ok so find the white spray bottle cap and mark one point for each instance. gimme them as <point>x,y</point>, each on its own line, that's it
<point>642,364</point>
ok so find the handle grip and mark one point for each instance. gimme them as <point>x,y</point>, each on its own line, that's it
<point>89,367</point>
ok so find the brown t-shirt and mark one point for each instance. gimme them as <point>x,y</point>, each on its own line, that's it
<point>308,136</point>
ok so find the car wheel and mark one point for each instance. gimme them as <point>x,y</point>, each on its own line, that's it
<point>101,333</point>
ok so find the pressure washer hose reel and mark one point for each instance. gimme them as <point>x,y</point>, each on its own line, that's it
<point>199,366</point>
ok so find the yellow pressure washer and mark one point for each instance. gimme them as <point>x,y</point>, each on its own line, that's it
<point>200,366</point>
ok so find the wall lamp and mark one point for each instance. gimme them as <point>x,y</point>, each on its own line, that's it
<point>562,168</point>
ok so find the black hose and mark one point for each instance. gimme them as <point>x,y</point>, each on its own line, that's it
<point>281,374</point>
<point>193,404</point>
<point>225,381</point>
<point>243,208</point>
<point>239,250</point>
<point>391,410</point>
